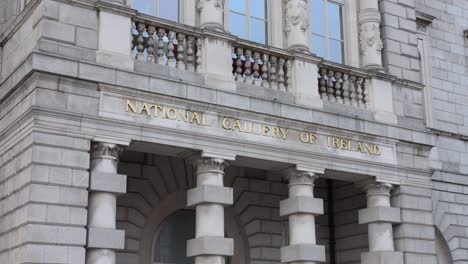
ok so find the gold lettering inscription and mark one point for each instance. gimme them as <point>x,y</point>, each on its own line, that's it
<point>307,138</point>
<point>248,127</point>
<point>170,113</point>
<point>348,144</point>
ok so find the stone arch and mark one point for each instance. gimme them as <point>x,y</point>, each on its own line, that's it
<point>156,188</point>
<point>448,231</point>
<point>442,249</point>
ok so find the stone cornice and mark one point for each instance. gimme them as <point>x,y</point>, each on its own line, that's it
<point>79,124</point>
<point>38,67</point>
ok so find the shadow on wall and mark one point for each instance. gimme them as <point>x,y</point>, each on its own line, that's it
<point>441,247</point>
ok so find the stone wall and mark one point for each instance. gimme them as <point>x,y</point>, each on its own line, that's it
<point>450,114</point>
<point>43,199</point>
<point>56,28</point>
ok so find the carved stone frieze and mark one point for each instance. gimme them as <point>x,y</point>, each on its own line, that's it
<point>369,38</point>
<point>296,15</point>
<point>219,4</point>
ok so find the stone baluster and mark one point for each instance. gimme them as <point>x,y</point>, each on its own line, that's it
<point>281,79</point>
<point>105,184</point>
<point>150,43</point>
<point>369,34</point>
<point>160,46</point>
<point>301,208</point>
<point>345,88</point>
<point>256,69</point>
<point>339,98</point>
<point>211,14</point>
<point>198,56</point>
<point>141,41</point>
<point>288,74</point>
<point>379,216</point>
<point>190,53</point>
<point>297,25</point>
<point>359,91</point>
<point>239,53</point>
<point>248,66</point>
<point>323,83</point>
<point>265,73</point>
<point>180,51</point>
<point>273,65</point>
<point>171,62</point>
<point>352,91</point>
<point>330,90</point>
<point>365,93</point>
<point>209,198</point>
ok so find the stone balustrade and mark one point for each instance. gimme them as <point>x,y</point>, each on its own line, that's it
<point>260,66</point>
<point>171,44</point>
<point>342,85</point>
<point>166,43</point>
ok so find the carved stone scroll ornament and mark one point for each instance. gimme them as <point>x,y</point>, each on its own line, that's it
<point>296,15</point>
<point>219,4</point>
<point>370,37</point>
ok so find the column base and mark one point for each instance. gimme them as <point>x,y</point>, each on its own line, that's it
<point>382,257</point>
<point>214,246</point>
<point>303,253</point>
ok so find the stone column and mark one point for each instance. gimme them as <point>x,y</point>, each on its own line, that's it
<point>369,35</point>
<point>209,198</point>
<point>301,207</point>
<point>211,14</point>
<point>297,25</point>
<point>105,185</point>
<point>379,215</point>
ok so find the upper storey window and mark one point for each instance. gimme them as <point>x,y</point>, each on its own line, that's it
<point>248,19</point>
<point>165,9</point>
<point>327,30</point>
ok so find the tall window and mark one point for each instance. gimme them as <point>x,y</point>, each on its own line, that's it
<point>170,244</point>
<point>327,31</point>
<point>248,19</point>
<point>166,9</point>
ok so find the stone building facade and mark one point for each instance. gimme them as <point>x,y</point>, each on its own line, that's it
<point>237,131</point>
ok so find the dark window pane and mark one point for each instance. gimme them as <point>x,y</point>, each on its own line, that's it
<point>144,6</point>
<point>334,21</point>
<point>238,25</point>
<point>169,9</point>
<point>258,8</point>
<point>258,30</point>
<point>318,45</point>
<point>336,51</point>
<point>238,6</point>
<point>172,239</point>
<point>318,18</point>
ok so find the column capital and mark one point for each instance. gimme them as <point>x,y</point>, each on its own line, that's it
<point>210,164</point>
<point>374,188</point>
<point>102,150</point>
<point>302,175</point>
